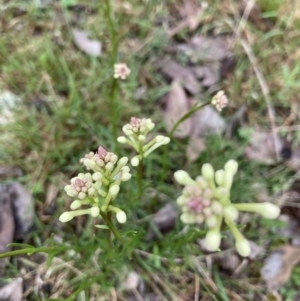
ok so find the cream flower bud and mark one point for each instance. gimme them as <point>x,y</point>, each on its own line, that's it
<point>142,138</point>
<point>201,182</point>
<point>243,247</point>
<point>125,177</point>
<point>135,161</point>
<point>231,166</point>
<point>199,219</point>
<point>207,211</point>
<point>269,210</point>
<point>97,176</point>
<point>216,207</point>
<point>188,218</point>
<point>159,138</point>
<point>122,139</point>
<point>109,166</point>
<point>75,205</point>
<point>114,159</point>
<point>91,191</point>
<point>95,211</point>
<point>150,125</point>
<point>66,216</point>
<point>70,190</point>
<point>123,161</point>
<point>114,190</point>
<point>207,171</point>
<point>121,217</point>
<point>81,195</point>
<point>125,169</point>
<point>183,178</point>
<point>90,164</point>
<point>211,221</point>
<point>230,213</point>
<point>213,240</point>
<point>219,176</point>
<point>182,200</point>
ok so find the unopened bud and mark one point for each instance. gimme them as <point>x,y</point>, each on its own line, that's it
<point>122,139</point>
<point>188,218</point>
<point>75,205</point>
<point>207,171</point>
<point>216,207</point>
<point>114,190</point>
<point>243,247</point>
<point>230,213</point>
<point>109,166</point>
<point>231,166</point>
<point>219,177</point>
<point>183,178</point>
<point>211,221</point>
<point>66,216</point>
<point>269,210</point>
<point>213,240</point>
<point>81,195</point>
<point>122,162</point>
<point>121,217</point>
<point>135,161</point>
<point>97,176</point>
<point>125,177</point>
<point>95,211</point>
<point>182,200</point>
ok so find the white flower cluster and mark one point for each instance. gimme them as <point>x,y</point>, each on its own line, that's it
<point>207,199</point>
<point>220,101</point>
<point>121,71</point>
<point>136,132</point>
<point>100,188</point>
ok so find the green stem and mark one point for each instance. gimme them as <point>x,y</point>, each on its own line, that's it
<point>111,225</point>
<point>32,250</point>
<point>112,30</point>
<point>140,174</point>
<point>140,179</point>
<point>186,116</point>
<point>114,85</point>
<point>235,231</point>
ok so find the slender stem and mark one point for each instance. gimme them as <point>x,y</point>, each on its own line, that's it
<point>112,30</point>
<point>114,85</point>
<point>111,225</point>
<point>186,116</point>
<point>140,174</point>
<point>140,179</point>
<point>113,108</point>
<point>235,231</point>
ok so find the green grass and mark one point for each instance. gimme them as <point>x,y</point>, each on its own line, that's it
<point>74,116</point>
